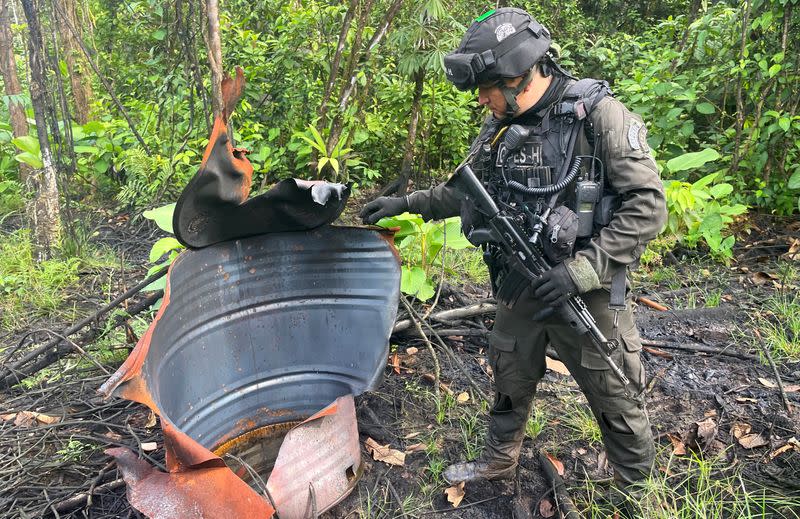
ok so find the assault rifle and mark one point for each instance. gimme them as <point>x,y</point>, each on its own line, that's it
<point>525,255</point>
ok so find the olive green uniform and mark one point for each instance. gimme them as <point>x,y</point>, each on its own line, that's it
<point>517,342</point>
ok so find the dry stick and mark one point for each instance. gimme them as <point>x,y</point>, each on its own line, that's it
<point>449,315</point>
<point>774,370</point>
<point>80,500</point>
<point>102,79</point>
<point>442,275</point>
<point>462,507</point>
<point>80,350</point>
<point>697,348</point>
<point>652,304</point>
<point>450,331</point>
<point>563,501</point>
<point>52,356</point>
<point>436,368</point>
<point>453,357</point>
<point>396,498</point>
<point>74,328</point>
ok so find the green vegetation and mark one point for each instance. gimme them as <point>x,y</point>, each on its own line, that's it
<point>537,421</point>
<point>696,487</point>
<point>422,247</point>
<point>779,325</point>
<point>580,422</point>
<point>30,289</point>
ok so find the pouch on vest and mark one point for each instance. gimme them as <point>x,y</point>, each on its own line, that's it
<point>560,234</point>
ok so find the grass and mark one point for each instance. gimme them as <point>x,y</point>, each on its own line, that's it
<point>698,488</point>
<point>29,288</point>
<point>580,422</point>
<point>469,263</point>
<point>536,421</point>
<point>780,325</point>
<point>472,434</point>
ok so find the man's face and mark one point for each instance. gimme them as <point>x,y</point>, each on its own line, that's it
<point>490,96</point>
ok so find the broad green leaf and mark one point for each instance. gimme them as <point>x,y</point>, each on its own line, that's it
<point>30,159</point>
<point>27,143</point>
<point>426,291</point>
<point>794,180</point>
<point>317,137</point>
<point>86,149</point>
<point>705,108</point>
<point>412,279</point>
<point>321,163</point>
<point>450,232</point>
<point>774,69</point>
<point>705,181</point>
<point>721,190</point>
<point>163,246</point>
<point>692,160</point>
<point>162,216</point>
<point>711,224</point>
<point>159,34</point>
<point>408,226</point>
<point>785,123</point>
<point>335,165</point>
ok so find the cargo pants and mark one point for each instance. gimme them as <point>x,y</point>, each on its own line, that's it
<point>517,346</point>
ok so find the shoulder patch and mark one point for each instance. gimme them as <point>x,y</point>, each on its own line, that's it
<point>633,135</point>
<point>643,139</point>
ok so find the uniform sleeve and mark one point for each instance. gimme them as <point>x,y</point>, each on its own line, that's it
<point>444,201</point>
<point>621,143</point>
<point>436,203</point>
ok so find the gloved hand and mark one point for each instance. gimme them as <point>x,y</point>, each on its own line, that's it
<point>554,286</point>
<point>382,207</point>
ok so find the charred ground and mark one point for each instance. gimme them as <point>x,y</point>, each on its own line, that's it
<point>701,402</point>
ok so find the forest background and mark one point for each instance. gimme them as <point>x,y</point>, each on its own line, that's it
<point>121,99</point>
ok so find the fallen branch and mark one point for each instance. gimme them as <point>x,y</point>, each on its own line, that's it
<point>563,501</point>
<point>764,349</point>
<point>59,348</point>
<point>449,315</point>
<point>447,332</point>
<point>449,352</point>
<point>698,348</point>
<point>88,320</point>
<point>80,500</point>
<point>436,368</point>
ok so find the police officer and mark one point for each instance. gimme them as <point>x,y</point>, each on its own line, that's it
<point>543,121</point>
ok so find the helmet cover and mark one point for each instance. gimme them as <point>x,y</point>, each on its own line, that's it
<point>505,43</point>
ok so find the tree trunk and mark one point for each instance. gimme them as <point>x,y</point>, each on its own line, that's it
<point>78,77</point>
<point>46,220</point>
<point>740,113</point>
<point>214,56</point>
<point>8,67</point>
<point>356,57</point>
<point>337,57</point>
<point>408,153</point>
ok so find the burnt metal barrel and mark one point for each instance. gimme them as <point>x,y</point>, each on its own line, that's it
<point>271,329</point>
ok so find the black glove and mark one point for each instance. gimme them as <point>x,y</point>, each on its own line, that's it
<point>382,207</point>
<point>554,286</point>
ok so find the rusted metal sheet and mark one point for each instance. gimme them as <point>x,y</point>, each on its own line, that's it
<point>258,332</point>
<point>214,206</point>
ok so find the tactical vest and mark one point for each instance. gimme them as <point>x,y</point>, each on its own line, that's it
<point>540,155</point>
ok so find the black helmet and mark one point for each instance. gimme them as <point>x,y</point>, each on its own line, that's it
<point>503,43</point>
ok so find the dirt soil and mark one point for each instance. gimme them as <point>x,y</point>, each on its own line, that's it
<point>711,306</point>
